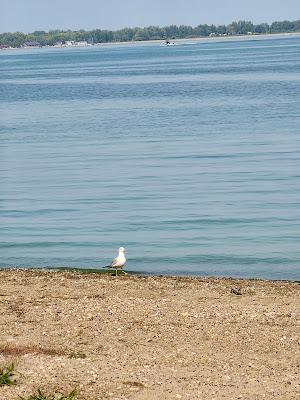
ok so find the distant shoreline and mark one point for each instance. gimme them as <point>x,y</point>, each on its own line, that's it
<point>201,39</point>
<point>194,40</point>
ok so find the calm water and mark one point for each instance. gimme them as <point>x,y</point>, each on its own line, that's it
<point>189,156</point>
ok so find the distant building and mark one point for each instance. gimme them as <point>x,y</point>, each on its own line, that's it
<point>81,43</point>
<point>31,44</point>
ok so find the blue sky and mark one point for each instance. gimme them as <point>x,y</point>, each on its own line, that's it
<point>30,15</point>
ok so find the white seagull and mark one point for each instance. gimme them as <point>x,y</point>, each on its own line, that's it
<point>118,262</point>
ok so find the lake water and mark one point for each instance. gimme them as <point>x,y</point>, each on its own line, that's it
<point>188,155</point>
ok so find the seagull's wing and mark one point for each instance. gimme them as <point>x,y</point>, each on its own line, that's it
<point>114,262</point>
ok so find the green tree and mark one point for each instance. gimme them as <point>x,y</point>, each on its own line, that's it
<point>262,28</point>
<point>17,39</point>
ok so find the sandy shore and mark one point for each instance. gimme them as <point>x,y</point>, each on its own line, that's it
<point>137,337</point>
<point>198,39</point>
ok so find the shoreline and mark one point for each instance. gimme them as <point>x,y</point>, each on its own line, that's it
<point>195,40</point>
<point>103,271</point>
<point>201,39</point>
<point>147,337</point>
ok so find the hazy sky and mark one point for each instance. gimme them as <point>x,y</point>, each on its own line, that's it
<point>30,15</point>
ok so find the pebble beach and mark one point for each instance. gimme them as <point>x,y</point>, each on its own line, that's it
<point>149,337</point>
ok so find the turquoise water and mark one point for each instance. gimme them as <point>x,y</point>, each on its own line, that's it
<point>189,156</point>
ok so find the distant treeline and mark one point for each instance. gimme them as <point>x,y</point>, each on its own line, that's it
<point>42,38</point>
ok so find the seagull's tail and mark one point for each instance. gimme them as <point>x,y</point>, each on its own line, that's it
<point>107,266</point>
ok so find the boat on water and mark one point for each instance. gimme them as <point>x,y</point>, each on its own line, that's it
<point>168,43</point>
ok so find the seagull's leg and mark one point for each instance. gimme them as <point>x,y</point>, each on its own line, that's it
<point>124,272</point>
<point>116,272</point>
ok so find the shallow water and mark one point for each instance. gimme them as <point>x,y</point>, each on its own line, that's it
<point>189,156</point>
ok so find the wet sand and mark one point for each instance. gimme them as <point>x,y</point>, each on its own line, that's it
<point>136,337</point>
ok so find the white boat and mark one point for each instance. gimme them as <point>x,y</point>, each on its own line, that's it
<point>168,43</point>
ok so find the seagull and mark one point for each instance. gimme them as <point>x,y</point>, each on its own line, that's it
<point>118,262</point>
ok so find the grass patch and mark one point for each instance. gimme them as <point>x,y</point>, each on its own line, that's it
<point>7,374</point>
<point>77,354</point>
<point>39,395</point>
